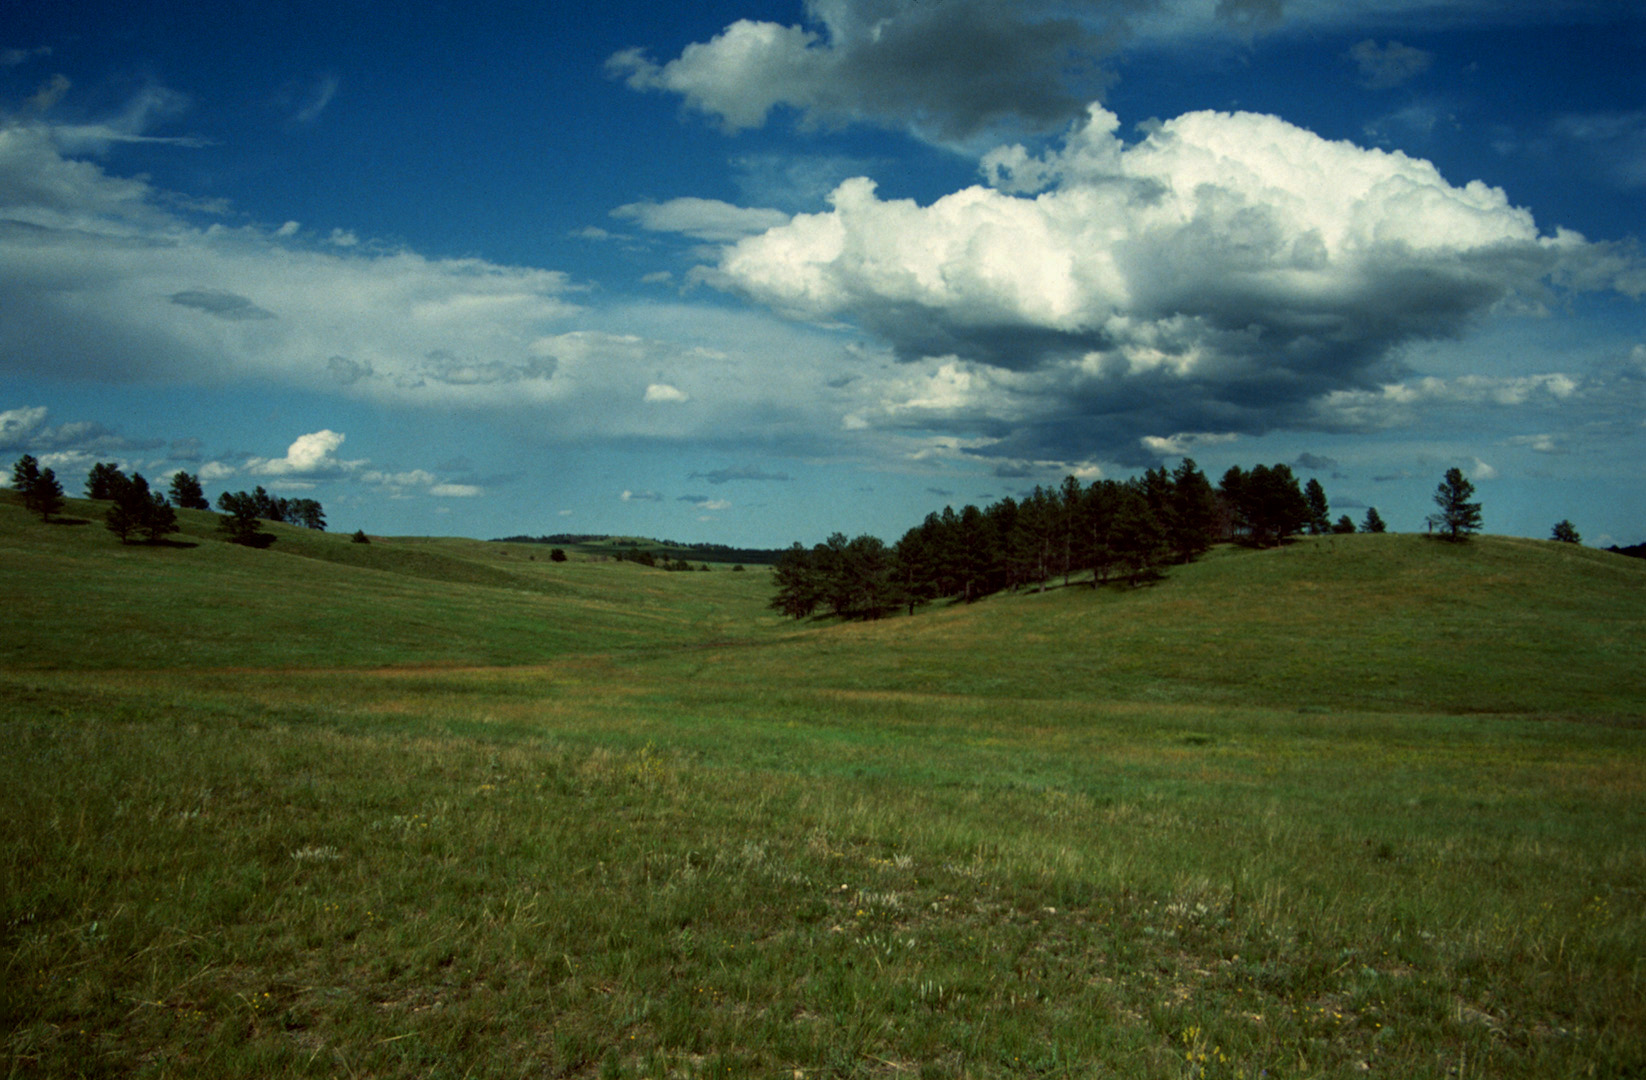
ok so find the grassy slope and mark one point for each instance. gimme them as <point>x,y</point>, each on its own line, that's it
<point>1364,801</point>
<point>81,600</point>
<point>1390,621</point>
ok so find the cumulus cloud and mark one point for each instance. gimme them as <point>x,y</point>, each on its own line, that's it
<point>640,496</point>
<point>703,219</point>
<point>310,457</point>
<point>74,444</point>
<point>664,392</point>
<point>949,70</point>
<point>1229,273</point>
<point>956,72</point>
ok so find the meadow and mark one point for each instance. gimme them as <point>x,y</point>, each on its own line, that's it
<point>1360,805</point>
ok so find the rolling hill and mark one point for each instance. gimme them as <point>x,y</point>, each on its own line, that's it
<point>1357,805</point>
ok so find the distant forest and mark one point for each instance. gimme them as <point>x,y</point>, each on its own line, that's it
<point>659,549</point>
<point>1113,530</point>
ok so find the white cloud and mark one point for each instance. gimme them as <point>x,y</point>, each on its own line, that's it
<point>640,496</point>
<point>1184,442</point>
<point>704,219</point>
<point>1479,470</point>
<point>959,71</point>
<point>410,478</point>
<point>1399,403</point>
<point>100,277</point>
<point>457,491</point>
<point>1231,272</point>
<point>948,71</point>
<point>665,392</point>
<point>16,425</point>
<point>311,456</point>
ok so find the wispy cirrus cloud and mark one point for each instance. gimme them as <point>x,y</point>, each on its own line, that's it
<point>1389,65</point>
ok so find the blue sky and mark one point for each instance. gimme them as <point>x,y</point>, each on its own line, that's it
<point>752,273</point>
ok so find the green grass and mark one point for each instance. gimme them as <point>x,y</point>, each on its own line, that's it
<point>1359,806</point>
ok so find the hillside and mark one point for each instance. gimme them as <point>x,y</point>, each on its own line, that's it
<point>1361,805</point>
<point>1368,622</point>
<point>81,599</point>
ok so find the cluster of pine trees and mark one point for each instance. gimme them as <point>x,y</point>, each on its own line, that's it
<point>1110,529</point>
<point>138,511</point>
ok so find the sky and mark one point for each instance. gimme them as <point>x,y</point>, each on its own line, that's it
<point>756,272</point>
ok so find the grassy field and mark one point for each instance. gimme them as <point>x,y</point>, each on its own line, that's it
<point>1365,805</point>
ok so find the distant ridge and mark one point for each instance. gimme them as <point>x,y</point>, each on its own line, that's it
<point>594,542</point>
<point>1634,551</point>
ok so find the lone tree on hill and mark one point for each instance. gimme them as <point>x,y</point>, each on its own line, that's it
<point>1374,521</point>
<point>1344,524</point>
<point>1566,533</point>
<point>1458,516</point>
<point>186,492</point>
<point>40,488</point>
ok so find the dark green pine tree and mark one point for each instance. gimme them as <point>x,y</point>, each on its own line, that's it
<point>137,510</point>
<point>46,496</point>
<point>1320,521</point>
<point>241,522</point>
<point>798,589</point>
<point>102,480</point>
<point>1374,522</point>
<point>187,493</point>
<point>1458,516</point>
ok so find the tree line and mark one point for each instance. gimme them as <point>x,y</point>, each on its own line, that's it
<point>140,512</point>
<point>1111,529</point>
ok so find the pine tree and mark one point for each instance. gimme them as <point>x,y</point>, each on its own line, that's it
<point>240,523</point>
<point>102,480</point>
<point>1319,510</point>
<point>1374,522</point>
<point>798,591</point>
<point>1458,516</point>
<point>187,493</point>
<point>136,509</point>
<point>46,496</point>
<point>25,473</point>
<point>1194,522</point>
<point>40,488</point>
